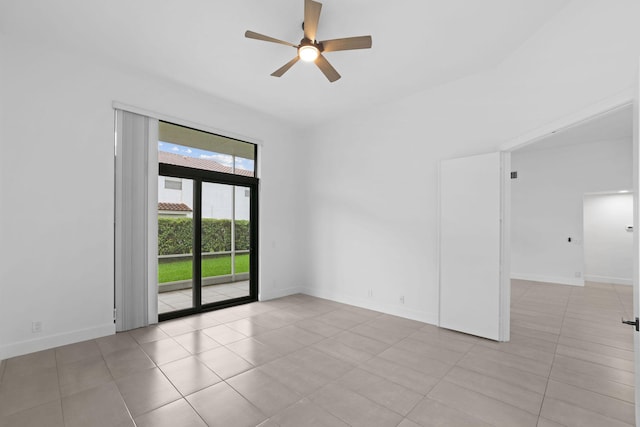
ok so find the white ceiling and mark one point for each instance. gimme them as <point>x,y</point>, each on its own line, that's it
<point>611,126</point>
<point>417,44</point>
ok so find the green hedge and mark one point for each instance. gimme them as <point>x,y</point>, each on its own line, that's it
<point>175,235</point>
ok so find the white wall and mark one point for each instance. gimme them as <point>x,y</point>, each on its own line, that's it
<point>57,174</point>
<point>372,181</point>
<point>608,245</point>
<point>547,205</point>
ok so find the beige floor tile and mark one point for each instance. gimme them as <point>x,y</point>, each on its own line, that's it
<point>148,334</point>
<point>415,361</point>
<point>101,406</point>
<point>29,364</point>
<point>83,374</point>
<point>224,363</point>
<point>596,348</point>
<point>361,368</point>
<point>189,375</point>
<point>317,361</point>
<point>416,381</point>
<point>306,413</point>
<point>248,328</point>
<point>361,343</point>
<point>488,409</point>
<point>264,392</point>
<point>75,352</point>
<point>116,342</point>
<point>571,364</point>
<point>431,350</point>
<point>596,384</point>
<point>429,412</point>
<point>511,360</point>
<point>48,414</point>
<point>171,415</point>
<point>220,405</point>
<point>574,416</point>
<point>496,388</point>
<point>164,351</point>
<point>353,408</point>
<point>592,401</point>
<point>18,393</point>
<point>318,327</point>
<point>382,391</point>
<point>224,334</point>
<point>147,390</point>
<point>589,356</point>
<point>126,362</point>
<point>408,423</point>
<point>254,351</point>
<point>196,342</point>
<point>176,327</point>
<point>382,335</point>
<point>342,351</point>
<point>297,378</point>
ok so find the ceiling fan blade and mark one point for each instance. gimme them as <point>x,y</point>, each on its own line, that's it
<point>280,71</point>
<point>348,43</point>
<point>311,17</point>
<point>327,69</point>
<point>253,35</point>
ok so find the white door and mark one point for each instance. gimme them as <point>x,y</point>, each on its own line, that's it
<point>474,292</point>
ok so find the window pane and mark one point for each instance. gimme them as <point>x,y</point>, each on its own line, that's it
<point>175,242</point>
<point>182,146</point>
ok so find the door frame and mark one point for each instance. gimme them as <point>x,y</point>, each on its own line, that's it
<point>620,100</point>
<point>199,176</point>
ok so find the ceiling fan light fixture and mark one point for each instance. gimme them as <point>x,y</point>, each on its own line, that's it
<point>308,53</point>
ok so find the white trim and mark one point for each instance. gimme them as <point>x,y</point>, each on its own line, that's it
<point>606,279</point>
<point>182,122</point>
<point>392,309</point>
<point>549,279</point>
<point>505,247</point>
<point>56,340</point>
<point>152,222</point>
<point>620,100</point>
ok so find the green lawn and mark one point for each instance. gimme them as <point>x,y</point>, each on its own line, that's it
<point>182,270</point>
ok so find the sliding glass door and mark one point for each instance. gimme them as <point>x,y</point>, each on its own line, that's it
<point>206,241</point>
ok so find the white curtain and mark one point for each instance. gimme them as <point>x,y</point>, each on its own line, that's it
<point>136,238</point>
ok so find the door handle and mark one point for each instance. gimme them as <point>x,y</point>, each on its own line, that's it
<point>635,323</point>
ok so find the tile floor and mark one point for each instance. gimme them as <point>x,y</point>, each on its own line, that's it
<point>302,361</point>
<point>177,300</point>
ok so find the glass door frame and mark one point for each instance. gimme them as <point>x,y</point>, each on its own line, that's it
<point>198,176</point>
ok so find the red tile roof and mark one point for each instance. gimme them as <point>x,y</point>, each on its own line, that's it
<point>177,207</point>
<point>192,162</point>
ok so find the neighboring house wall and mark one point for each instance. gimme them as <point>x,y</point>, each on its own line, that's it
<point>547,205</point>
<point>217,199</point>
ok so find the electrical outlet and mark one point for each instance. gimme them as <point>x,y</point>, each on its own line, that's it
<point>578,274</point>
<point>370,293</point>
<point>36,326</point>
<point>402,299</point>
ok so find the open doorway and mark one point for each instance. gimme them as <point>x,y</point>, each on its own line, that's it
<point>567,299</point>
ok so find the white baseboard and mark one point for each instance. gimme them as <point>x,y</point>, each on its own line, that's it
<point>268,294</point>
<point>51,341</point>
<point>393,309</point>
<point>573,281</point>
<point>605,279</point>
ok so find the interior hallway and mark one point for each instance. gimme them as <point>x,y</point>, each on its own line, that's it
<point>301,360</point>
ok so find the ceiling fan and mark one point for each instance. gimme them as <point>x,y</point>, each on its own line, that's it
<point>309,49</point>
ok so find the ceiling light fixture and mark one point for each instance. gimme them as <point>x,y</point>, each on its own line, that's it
<point>308,53</point>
